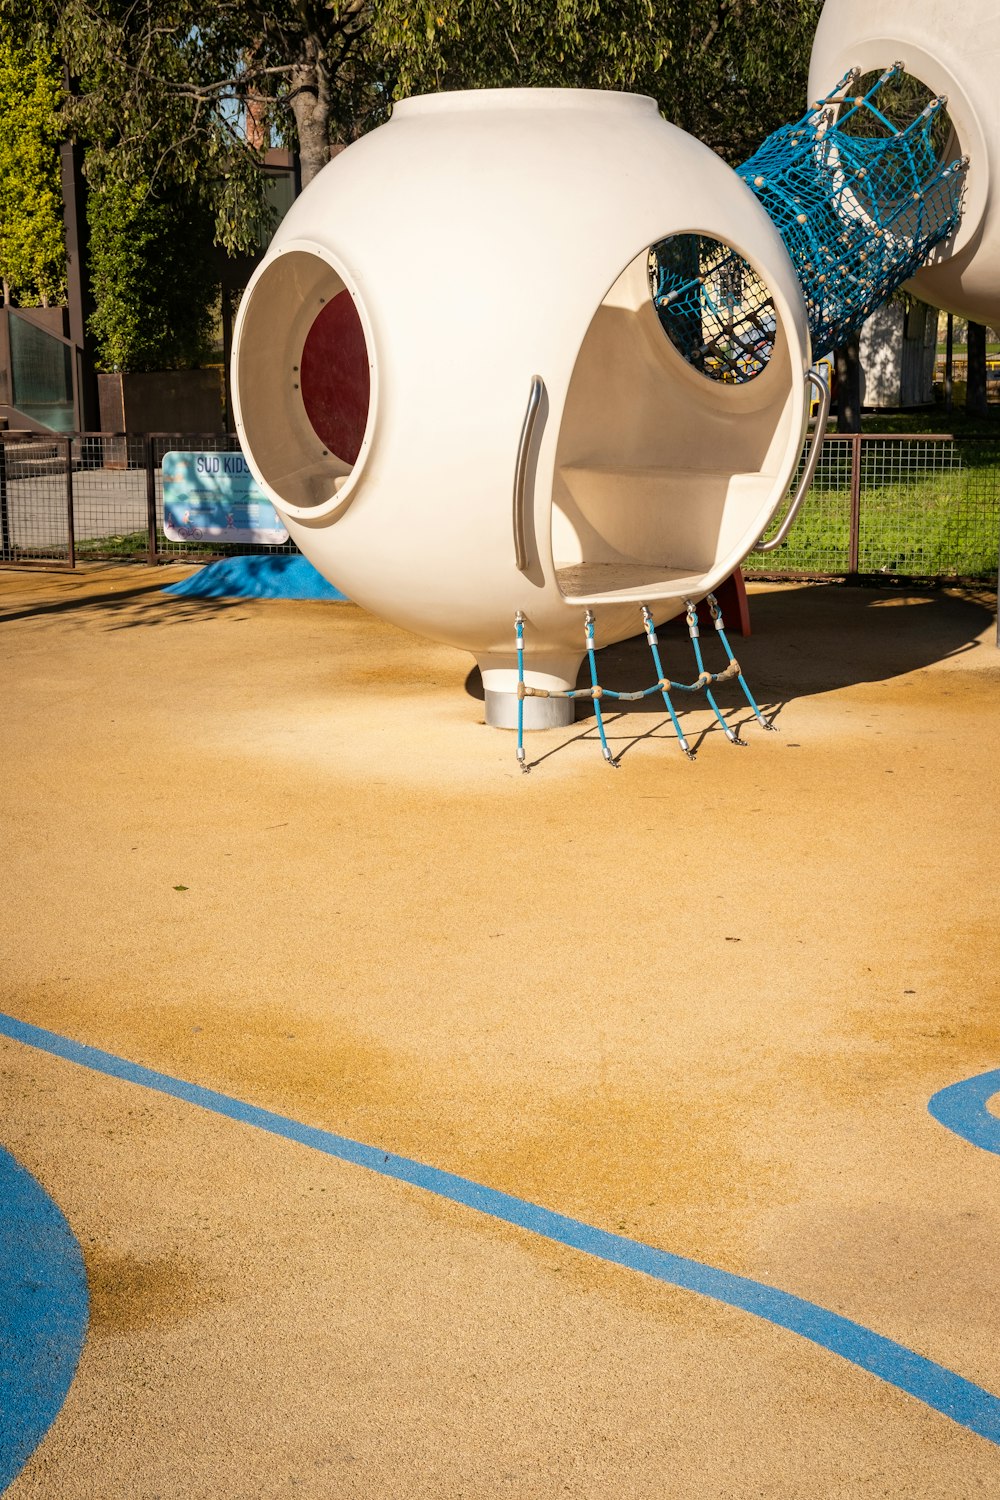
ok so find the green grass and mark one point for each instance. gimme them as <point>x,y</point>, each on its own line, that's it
<point>935,419</point>
<point>136,543</point>
<point>918,518</point>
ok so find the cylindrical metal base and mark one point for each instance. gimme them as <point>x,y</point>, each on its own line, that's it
<point>539,713</point>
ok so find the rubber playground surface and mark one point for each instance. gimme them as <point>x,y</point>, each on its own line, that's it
<point>378,1121</point>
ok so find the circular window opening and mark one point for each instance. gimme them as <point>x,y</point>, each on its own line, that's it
<point>305,383</point>
<point>713,307</point>
<point>335,380</point>
<point>900,156</point>
<point>894,107</point>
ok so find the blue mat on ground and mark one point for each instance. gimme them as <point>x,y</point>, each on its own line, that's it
<point>286,576</point>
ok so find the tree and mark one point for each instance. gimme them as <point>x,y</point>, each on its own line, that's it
<point>975,389</point>
<point>847,365</point>
<point>190,93</point>
<point>174,88</point>
<point>184,99</point>
<point>153,278</point>
<point>32,250</point>
<point>738,69</point>
<point>727,71</point>
<point>513,43</point>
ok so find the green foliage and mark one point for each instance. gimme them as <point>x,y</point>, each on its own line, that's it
<point>183,99</point>
<point>191,93</point>
<point>194,92</point>
<point>929,510</point>
<point>32,250</point>
<point>738,69</point>
<point>515,43</point>
<point>727,71</point>
<point>140,104</point>
<point>153,277</point>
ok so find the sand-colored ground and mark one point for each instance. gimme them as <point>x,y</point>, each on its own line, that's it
<point>701,1004</point>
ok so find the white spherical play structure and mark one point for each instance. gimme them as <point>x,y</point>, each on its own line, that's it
<point>451,380</point>
<point>954,51</point>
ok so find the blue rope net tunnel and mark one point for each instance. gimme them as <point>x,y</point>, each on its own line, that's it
<point>859,204</point>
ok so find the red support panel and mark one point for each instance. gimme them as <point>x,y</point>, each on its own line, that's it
<point>732,597</point>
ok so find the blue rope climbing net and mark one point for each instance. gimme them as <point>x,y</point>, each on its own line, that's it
<point>859,204</point>
<point>663,684</point>
<point>713,307</point>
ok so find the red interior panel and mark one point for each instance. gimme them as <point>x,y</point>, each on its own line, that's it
<point>334,378</point>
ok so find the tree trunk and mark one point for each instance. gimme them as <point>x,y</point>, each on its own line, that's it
<point>975,390</point>
<point>848,367</point>
<point>310,101</point>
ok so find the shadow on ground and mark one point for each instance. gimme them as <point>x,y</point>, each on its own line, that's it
<point>143,604</point>
<point>815,638</point>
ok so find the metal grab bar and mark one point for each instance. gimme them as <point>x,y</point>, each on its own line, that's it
<point>521,469</point>
<point>823,391</point>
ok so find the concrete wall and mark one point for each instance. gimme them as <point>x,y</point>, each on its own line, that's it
<point>163,401</point>
<point>898,351</point>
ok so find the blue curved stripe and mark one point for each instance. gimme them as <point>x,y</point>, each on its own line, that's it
<point>43,1314</point>
<point>969,1405</point>
<point>961,1107</point>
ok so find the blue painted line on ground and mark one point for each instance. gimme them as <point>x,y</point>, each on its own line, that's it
<point>961,1107</point>
<point>285,576</point>
<point>965,1403</point>
<point>44,1309</point>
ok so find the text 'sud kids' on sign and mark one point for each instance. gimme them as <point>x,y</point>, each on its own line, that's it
<point>213,497</point>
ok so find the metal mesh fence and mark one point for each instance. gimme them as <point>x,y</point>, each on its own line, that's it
<point>109,496</point>
<point>36,520</point>
<point>819,542</point>
<point>969,530</point>
<point>925,507</point>
<point>908,495</point>
<point>96,497</point>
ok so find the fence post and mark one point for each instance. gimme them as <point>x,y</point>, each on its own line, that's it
<point>70,517</point>
<point>854,543</point>
<point>6,550</point>
<point>149,457</point>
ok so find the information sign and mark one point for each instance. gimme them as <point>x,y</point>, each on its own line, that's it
<point>213,497</point>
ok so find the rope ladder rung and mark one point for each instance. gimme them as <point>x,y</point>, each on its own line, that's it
<point>664,685</point>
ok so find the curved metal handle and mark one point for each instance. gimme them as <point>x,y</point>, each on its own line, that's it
<point>823,391</point>
<point>521,469</point>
